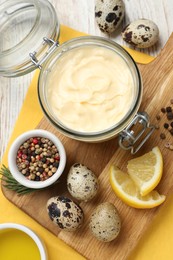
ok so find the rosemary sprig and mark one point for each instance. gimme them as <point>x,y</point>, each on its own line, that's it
<point>12,184</point>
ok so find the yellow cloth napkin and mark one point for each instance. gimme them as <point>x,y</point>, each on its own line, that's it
<point>155,244</point>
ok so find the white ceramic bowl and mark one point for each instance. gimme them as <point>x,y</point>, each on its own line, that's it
<point>13,153</point>
<point>30,233</point>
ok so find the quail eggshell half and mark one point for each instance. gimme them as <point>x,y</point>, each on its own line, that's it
<point>141,33</point>
<point>65,213</point>
<point>105,222</point>
<point>82,183</point>
<point>109,14</point>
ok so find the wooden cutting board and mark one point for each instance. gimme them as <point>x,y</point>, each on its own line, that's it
<point>158,90</point>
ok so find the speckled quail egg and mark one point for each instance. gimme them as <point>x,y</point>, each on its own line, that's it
<point>82,183</point>
<point>141,33</point>
<point>109,14</point>
<point>105,222</point>
<point>65,213</point>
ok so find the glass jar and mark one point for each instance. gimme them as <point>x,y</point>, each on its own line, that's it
<point>51,65</point>
<point>35,45</point>
<point>23,26</point>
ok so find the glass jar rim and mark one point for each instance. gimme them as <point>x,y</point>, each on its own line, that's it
<point>78,42</point>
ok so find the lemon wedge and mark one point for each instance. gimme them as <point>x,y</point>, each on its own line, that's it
<point>146,170</point>
<point>125,188</point>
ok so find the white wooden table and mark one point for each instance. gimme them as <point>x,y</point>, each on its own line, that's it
<point>79,14</point>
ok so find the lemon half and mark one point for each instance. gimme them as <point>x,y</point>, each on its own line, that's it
<point>146,170</point>
<point>127,191</point>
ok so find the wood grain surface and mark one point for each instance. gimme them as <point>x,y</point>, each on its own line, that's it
<point>157,79</point>
<point>80,16</point>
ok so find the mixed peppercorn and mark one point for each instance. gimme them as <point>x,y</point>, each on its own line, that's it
<point>37,158</point>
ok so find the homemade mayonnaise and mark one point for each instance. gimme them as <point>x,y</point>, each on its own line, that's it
<point>91,89</point>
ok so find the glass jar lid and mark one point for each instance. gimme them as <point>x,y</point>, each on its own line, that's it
<point>23,25</point>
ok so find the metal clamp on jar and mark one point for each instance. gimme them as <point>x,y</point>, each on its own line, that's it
<point>39,48</point>
<point>133,140</point>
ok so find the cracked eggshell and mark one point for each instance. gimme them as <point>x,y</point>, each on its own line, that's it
<point>82,183</point>
<point>105,222</point>
<point>65,213</point>
<point>141,33</point>
<point>109,14</point>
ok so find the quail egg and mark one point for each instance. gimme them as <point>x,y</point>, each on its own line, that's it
<point>65,213</point>
<point>109,14</point>
<point>82,183</point>
<point>141,33</point>
<point>105,222</point>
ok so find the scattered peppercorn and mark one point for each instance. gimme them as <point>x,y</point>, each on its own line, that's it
<point>158,117</point>
<point>163,123</point>
<point>162,136</point>
<point>166,126</point>
<point>35,162</point>
<point>169,115</point>
<point>168,109</point>
<point>163,110</point>
<point>171,131</point>
<point>167,145</point>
